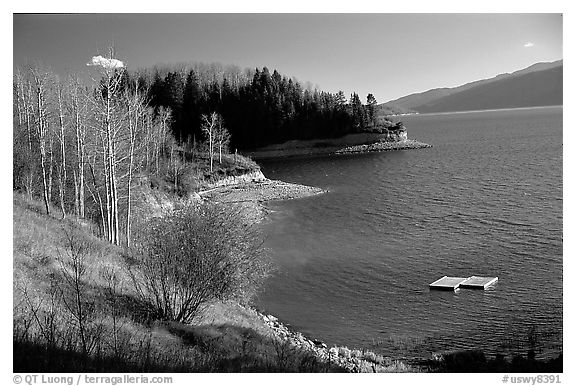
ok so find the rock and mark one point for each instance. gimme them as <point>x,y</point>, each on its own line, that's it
<point>271,318</point>
<point>319,343</point>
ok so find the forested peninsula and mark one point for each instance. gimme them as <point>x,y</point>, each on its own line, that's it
<point>258,107</point>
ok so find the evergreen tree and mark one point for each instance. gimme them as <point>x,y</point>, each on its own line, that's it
<point>191,112</point>
<point>173,91</point>
<point>157,91</point>
<point>357,111</point>
<point>340,100</point>
<point>371,105</point>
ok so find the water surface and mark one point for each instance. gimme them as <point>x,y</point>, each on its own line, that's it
<point>354,264</point>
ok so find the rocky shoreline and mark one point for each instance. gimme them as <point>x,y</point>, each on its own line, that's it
<point>383,146</point>
<point>260,191</point>
<point>328,149</point>
<point>350,360</point>
<point>351,143</point>
<point>250,196</point>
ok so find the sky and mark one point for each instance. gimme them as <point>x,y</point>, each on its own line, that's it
<point>388,55</point>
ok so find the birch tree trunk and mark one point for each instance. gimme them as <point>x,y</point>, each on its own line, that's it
<point>51,165</point>
<point>208,127</point>
<point>80,132</point>
<point>137,116</point>
<point>62,172</point>
<point>40,83</point>
<point>105,167</point>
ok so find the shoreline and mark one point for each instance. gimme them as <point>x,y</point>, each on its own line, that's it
<point>350,360</point>
<point>261,190</point>
<point>251,196</point>
<point>377,146</point>
<point>487,110</point>
<point>406,144</point>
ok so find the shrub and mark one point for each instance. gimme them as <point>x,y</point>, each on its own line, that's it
<point>74,287</point>
<point>195,255</point>
<point>356,353</point>
<point>344,352</point>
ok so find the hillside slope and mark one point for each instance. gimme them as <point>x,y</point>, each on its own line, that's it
<point>542,88</point>
<point>416,101</point>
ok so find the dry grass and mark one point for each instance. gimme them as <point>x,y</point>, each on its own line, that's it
<point>121,335</point>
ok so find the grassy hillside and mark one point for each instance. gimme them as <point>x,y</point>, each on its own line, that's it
<point>123,337</point>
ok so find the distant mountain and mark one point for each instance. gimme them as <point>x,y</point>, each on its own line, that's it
<point>537,85</point>
<point>541,88</point>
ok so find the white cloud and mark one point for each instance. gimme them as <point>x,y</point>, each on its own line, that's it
<point>104,62</point>
<point>528,44</point>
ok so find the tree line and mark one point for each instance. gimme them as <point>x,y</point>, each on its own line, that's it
<point>258,107</point>
<point>82,148</point>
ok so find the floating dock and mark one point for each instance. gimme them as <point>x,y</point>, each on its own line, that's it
<point>478,282</point>
<point>447,283</point>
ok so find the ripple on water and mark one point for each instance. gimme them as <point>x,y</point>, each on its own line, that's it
<point>486,200</point>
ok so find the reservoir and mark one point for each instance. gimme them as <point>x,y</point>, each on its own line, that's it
<point>353,265</point>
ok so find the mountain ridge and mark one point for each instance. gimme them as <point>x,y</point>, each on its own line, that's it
<point>440,99</point>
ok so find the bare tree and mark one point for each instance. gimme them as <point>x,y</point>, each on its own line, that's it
<point>222,138</point>
<point>62,176</point>
<point>160,130</point>
<point>136,105</point>
<point>50,135</point>
<point>41,84</point>
<point>95,193</point>
<point>148,137</point>
<point>77,109</point>
<point>106,108</point>
<point>209,127</point>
